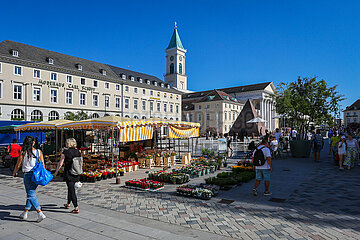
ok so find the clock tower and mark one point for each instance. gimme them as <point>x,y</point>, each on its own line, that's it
<point>175,63</point>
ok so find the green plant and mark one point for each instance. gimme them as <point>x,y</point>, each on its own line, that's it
<point>78,116</point>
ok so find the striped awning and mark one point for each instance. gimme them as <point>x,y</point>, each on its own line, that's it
<point>48,125</point>
<point>183,132</point>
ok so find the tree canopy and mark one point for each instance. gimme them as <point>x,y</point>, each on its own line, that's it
<point>307,100</point>
<point>78,116</point>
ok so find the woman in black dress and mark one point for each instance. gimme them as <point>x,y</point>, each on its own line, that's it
<point>67,156</point>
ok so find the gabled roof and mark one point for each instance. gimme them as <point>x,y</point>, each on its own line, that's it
<point>354,106</point>
<point>216,95</point>
<point>175,41</point>
<point>246,88</point>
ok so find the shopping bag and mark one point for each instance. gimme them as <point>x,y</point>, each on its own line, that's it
<point>40,176</point>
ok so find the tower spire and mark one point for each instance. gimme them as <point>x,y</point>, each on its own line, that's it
<point>175,27</point>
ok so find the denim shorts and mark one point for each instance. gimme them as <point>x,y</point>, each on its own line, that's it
<point>263,174</point>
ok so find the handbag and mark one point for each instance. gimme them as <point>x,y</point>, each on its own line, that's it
<point>40,176</point>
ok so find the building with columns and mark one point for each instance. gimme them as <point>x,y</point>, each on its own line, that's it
<point>259,94</point>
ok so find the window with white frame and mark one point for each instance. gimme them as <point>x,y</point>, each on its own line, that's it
<point>117,87</point>
<point>95,115</point>
<point>53,115</point>
<point>36,115</point>
<point>135,90</point>
<point>17,114</point>
<point>82,99</point>
<point>144,91</point>
<point>165,107</point>
<point>17,70</point>
<point>190,117</point>
<point>17,93</point>
<point>123,76</point>
<point>107,101</point>
<point>151,106</point>
<point>208,117</point>
<point>69,79</point>
<point>225,128</point>
<point>53,95</point>
<point>171,108</point>
<point>69,97</point>
<point>36,94</point>
<point>126,88</point>
<point>151,92</point>
<point>107,85</point>
<point>117,102</point>
<point>233,116</point>
<point>177,108</point>
<point>207,106</point>
<point>225,116</point>
<point>135,104</point>
<point>95,100</point>
<point>82,81</point>
<point>1,89</point>
<point>36,73</point>
<point>199,117</point>
<point>50,61</point>
<point>217,105</point>
<point>143,105</point>
<point>95,83</point>
<point>53,76</point>
<point>0,67</point>
<point>199,107</point>
<point>15,53</point>
<point>126,103</point>
<point>158,106</point>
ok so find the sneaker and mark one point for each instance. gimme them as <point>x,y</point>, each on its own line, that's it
<point>267,193</point>
<point>341,168</point>
<point>24,215</point>
<point>41,217</point>
<point>254,192</point>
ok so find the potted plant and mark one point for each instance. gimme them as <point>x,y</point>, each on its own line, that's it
<point>302,102</point>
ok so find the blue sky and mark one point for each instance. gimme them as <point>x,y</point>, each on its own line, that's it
<point>229,43</point>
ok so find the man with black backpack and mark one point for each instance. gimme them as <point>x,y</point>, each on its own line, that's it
<point>263,166</point>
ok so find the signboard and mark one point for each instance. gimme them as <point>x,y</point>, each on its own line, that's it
<point>222,146</point>
<point>68,85</point>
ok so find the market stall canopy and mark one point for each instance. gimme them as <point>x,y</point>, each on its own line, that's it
<point>8,129</point>
<point>256,120</point>
<point>47,125</point>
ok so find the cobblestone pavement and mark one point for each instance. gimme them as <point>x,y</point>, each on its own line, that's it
<point>323,205</point>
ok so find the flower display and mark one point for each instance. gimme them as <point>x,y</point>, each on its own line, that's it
<point>198,191</point>
<point>144,184</point>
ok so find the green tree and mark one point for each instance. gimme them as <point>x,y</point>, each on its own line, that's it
<point>307,100</point>
<point>78,116</point>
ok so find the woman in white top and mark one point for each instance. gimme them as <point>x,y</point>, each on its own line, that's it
<point>28,158</point>
<point>342,151</point>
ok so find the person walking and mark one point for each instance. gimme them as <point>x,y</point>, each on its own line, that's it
<point>263,172</point>
<point>342,151</point>
<point>293,134</point>
<point>28,157</point>
<point>67,157</point>
<point>352,151</point>
<point>318,144</point>
<point>278,134</point>
<point>14,150</point>
<point>229,144</point>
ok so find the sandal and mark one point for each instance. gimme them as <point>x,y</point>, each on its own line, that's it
<point>76,211</point>
<point>66,206</point>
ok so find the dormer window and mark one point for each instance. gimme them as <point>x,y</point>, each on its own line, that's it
<point>148,82</point>
<point>132,78</point>
<point>79,67</point>
<point>168,86</point>
<point>50,60</point>
<point>15,53</point>
<point>140,80</point>
<point>155,83</point>
<point>162,85</point>
<point>103,72</point>
<point>123,76</point>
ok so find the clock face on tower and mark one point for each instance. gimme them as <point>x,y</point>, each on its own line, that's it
<point>172,58</point>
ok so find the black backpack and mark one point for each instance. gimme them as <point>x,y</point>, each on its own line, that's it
<point>259,158</point>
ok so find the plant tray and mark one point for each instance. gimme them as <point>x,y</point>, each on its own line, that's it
<point>142,189</point>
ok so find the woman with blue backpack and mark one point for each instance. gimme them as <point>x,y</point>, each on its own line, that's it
<point>28,158</point>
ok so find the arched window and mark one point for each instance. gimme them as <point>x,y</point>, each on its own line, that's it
<point>127,116</point>
<point>53,115</point>
<point>118,115</point>
<point>17,114</point>
<point>143,117</point>
<point>171,118</point>
<point>136,117</point>
<point>180,68</point>
<point>165,118</point>
<point>172,68</point>
<point>105,115</point>
<point>36,115</point>
<point>95,115</point>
